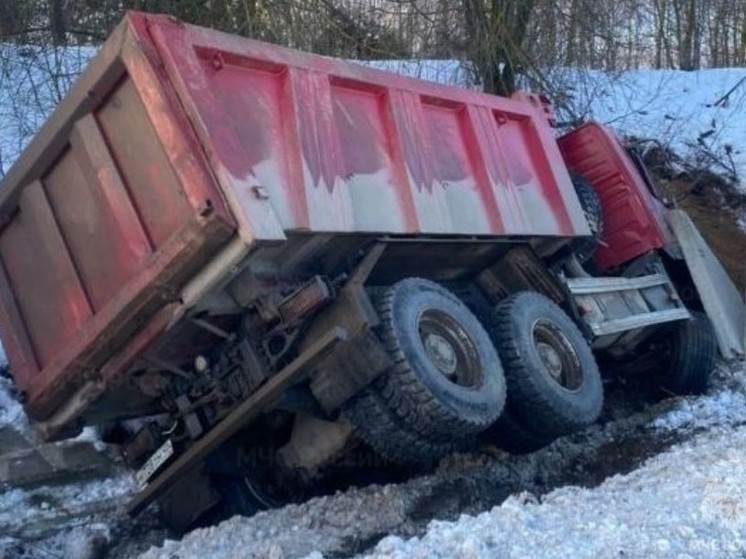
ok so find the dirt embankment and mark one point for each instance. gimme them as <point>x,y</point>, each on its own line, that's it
<point>716,205</point>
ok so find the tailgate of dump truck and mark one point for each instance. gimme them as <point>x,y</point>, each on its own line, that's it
<point>104,215</point>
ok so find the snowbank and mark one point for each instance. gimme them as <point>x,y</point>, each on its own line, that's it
<point>686,110</point>
<point>689,502</point>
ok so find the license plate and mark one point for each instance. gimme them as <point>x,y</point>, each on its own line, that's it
<point>154,463</point>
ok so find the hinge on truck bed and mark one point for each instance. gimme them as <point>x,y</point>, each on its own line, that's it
<point>614,305</point>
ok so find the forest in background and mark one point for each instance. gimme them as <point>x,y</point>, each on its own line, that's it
<point>503,40</point>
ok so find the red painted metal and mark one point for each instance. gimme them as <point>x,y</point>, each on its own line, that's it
<point>339,147</point>
<point>103,218</point>
<point>634,223</point>
<point>177,136</point>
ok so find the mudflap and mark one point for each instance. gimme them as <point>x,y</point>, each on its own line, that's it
<point>721,299</point>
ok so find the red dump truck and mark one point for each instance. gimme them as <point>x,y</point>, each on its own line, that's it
<point>273,259</point>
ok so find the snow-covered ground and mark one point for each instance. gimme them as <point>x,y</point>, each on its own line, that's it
<point>687,501</point>
<point>689,111</point>
<point>666,481</point>
<point>23,513</point>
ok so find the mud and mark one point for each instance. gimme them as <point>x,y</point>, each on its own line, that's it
<point>354,521</point>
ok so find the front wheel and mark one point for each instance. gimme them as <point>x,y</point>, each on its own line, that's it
<point>690,355</point>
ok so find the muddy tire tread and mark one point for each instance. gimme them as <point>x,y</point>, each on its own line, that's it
<point>528,402</point>
<point>382,430</point>
<point>695,356</point>
<point>403,392</point>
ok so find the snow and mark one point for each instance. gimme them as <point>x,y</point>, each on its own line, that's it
<point>673,107</point>
<point>11,411</point>
<point>24,512</point>
<point>33,79</point>
<point>451,72</point>
<point>688,502</point>
<point>92,435</point>
<point>87,542</point>
<point>723,408</point>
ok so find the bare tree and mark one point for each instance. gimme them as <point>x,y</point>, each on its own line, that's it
<point>496,30</point>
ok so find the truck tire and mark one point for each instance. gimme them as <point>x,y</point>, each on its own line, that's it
<point>446,381</point>
<point>387,434</point>
<point>585,247</point>
<point>554,385</point>
<point>691,355</point>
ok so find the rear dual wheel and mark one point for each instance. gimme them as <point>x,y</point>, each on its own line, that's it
<point>554,386</point>
<point>446,383</point>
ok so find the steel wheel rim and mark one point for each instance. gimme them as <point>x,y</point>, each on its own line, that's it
<point>557,355</point>
<point>449,348</point>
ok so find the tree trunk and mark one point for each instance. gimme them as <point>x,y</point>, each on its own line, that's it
<point>495,38</point>
<point>57,24</point>
<point>660,31</point>
<point>688,35</point>
<point>742,44</point>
